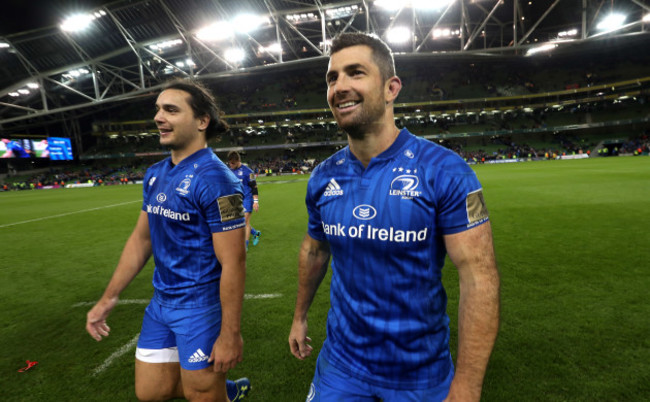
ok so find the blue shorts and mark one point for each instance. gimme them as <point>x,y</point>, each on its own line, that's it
<point>248,204</point>
<point>330,384</point>
<point>179,335</point>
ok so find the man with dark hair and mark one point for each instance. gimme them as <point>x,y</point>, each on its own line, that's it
<point>192,222</point>
<point>387,209</point>
<point>251,196</point>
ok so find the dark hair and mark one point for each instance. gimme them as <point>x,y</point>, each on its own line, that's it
<point>234,156</point>
<point>381,53</point>
<point>203,103</point>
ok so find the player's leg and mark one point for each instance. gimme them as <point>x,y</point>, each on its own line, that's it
<point>256,235</point>
<point>204,385</point>
<point>196,331</point>
<point>247,216</point>
<point>330,385</point>
<point>437,393</point>
<point>157,368</point>
<point>157,381</point>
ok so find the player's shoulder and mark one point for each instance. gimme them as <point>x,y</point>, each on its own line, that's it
<point>437,156</point>
<point>332,164</point>
<point>211,168</point>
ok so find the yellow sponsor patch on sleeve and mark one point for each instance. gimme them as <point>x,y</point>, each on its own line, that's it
<point>476,208</point>
<point>231,207</point>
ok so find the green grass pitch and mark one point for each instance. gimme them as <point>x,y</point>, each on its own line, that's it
<point>571,239</point>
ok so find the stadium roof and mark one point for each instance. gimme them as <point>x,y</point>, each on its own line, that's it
<point>130,47</point>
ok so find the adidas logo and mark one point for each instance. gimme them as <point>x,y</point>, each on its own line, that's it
<point>198,357</point>
<point>333,188</point>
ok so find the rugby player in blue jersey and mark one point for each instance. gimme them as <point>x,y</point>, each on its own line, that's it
<point>192,222</point>
<point>251,196</point>
<point>387,209</point>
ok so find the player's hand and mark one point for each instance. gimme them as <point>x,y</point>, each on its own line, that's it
<point>227,352</point>
<point>96,318</point>
<point>299,341</point>
<point>256,206</point>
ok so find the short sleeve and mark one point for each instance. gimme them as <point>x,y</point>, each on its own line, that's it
<point>461,205</point>
<point>221,202</point>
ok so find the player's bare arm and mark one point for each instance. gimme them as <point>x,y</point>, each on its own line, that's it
<point>135,254</point>
<point>472,252</point>
<point>312,266</point>
<point>230,251</point>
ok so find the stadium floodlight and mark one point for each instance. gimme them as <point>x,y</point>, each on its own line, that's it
<point>301,18</point>
<point>539,49</point>
<point>4,45</point>
<point>14,94</point>
<point>646,18</point>
<point>77,22</point>
<point>341,12</point>
<point>567,34</point>
<point>75,73</point>
<point>423,5</point>
<point>165,44</point>
<point>429,4</point>
<point>218,31</point>
<point>274,48</point>
<point>398,35</point>
<point>245,23</point>
<point>445,33</point>
<point>234,55</point>
<point>23,91</point>
<point>611,22</point>
<point>32,85</point>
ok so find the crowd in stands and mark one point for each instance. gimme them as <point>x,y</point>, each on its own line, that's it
<point>60,177</point>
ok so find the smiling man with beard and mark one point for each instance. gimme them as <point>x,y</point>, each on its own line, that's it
<point>387,209</point>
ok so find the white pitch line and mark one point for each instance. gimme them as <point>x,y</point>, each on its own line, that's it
<point>126,301</point>
<point>117,354</point>
<point>263,296</point>
<point>66,214</point>
<point>146,301</point>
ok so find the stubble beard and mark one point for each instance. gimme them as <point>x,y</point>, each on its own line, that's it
<point>368,120</point>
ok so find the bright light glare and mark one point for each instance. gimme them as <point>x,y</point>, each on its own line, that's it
<point>246,23</point>
<point>646,18</point>
<point>429,4</point>
<point>166,44</point>
<point>394,5</point>
<point>611,22</point>
<point>398,35</point>
<point>32,85</point>
<point>218,31</point>
<point>77,22</point>
<point>234,55</point>
<point>23,91</point>
<point>564,34</point>
<point>272,48</point>
<point>539,49</point>
<point>4,45</point>
<point>390,5</point>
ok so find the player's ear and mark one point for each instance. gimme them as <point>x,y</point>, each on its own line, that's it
<point>391,88</point>
<point>204,122</point>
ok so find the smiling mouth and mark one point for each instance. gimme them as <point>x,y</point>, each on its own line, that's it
<point>347,105</point>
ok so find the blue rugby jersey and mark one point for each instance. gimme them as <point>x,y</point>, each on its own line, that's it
<point>185,204</point>
<point>388,324</point>
<point>245,175</point>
